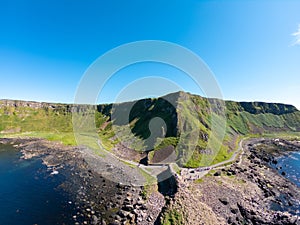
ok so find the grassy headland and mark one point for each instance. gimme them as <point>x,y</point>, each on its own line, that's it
<point>183,114</point>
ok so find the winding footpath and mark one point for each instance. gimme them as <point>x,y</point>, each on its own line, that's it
<point>188,174</point>
<point>151,170</point>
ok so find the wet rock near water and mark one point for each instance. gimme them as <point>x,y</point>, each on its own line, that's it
<point>96,199</point>
<point>251,192</point>
<point>246,192</point>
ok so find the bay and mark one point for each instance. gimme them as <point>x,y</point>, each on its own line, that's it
<point>289,166</point>
<point>29,194</point>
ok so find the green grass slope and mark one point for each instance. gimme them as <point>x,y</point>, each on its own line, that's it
<point>51,121</point>
<point>189,125</point>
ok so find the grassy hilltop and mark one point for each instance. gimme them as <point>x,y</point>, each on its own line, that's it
<point>188,121</point>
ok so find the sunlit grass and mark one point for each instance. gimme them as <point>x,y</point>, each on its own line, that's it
<point>65,138</point>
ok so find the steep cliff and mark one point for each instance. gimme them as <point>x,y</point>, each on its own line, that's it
<point>184,124</point>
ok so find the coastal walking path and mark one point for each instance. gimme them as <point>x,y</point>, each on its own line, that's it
<point>190,174</point>
<point>152,170</point>
<point>187,174</point>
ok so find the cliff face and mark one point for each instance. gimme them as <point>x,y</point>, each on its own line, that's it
<point>180,114</point>
<point>260,107</point>
<point>259,117</point>
<point>31,104</point>
<point>184,113</point>
<point>242,117</point>
<point>139,114</point>
<point>18,104</point>
<point>179,111</point>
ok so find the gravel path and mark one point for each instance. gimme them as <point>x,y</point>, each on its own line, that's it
<point>197,173</point>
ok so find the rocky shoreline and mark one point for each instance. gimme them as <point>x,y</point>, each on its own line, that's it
<point>96,200</point>
<point>248,191</point>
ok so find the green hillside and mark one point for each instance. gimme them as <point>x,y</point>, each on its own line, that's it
<point>189,126</point>
<point>242,119</point>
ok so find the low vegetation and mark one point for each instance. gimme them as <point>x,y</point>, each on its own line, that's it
<point>187,125</point>
<point>173,217</point>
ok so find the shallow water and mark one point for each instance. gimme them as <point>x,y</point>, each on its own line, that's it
<point>290,165</point>
<point>29,194</point>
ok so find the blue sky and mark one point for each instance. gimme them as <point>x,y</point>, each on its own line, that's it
<point>252,47</point>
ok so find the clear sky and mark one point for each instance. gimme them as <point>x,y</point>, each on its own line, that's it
<point>253,47</point>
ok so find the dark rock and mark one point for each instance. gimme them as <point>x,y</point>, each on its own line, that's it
<point>123,213</point>
<point>224,200</point>
<point>266,159</point>
<point>117,217</point>
<point>229,220</point>
<point>234,209</point>
<point>218,173</point>
<point>128,207</point>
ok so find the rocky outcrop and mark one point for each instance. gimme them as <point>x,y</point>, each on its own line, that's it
<point>262,107</point>
<point>96,199</point>
<point>18,105</point>
<point>180,112</point>
<point>31,104</point>
<point>249,192</point>
<point>246,192</point>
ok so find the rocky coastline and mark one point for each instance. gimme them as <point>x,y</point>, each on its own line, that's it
<point>249,191</point>
<point>96,200</point>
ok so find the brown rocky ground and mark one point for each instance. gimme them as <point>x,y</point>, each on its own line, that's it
<point>248,192</point>
<point>97,200</point>
<point>127,153</point>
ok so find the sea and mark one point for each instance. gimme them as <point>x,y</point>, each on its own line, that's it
<point>289,166</point>
<point>29,194</point>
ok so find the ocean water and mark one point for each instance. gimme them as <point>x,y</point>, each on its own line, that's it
<point>290,165</point>
<point>29,194</point>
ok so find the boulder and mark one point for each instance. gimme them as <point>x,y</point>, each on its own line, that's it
<point>224,201</point>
